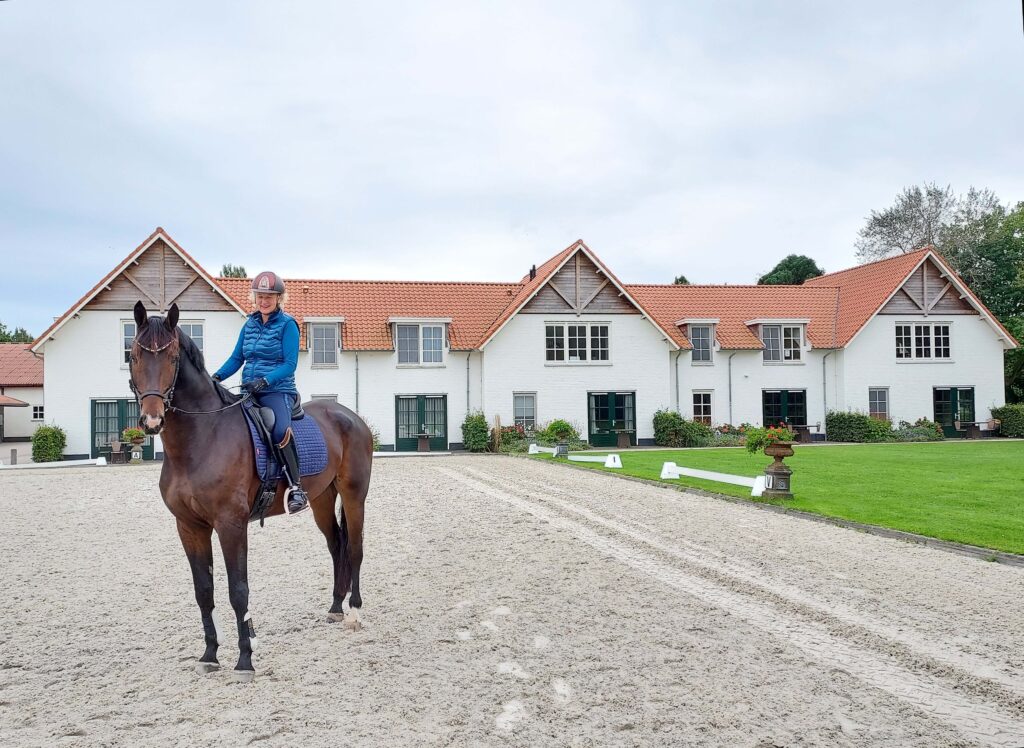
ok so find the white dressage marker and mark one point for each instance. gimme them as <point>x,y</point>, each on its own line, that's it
<point>671,471</point>
<point>536,450</point>
<point>611,461</point>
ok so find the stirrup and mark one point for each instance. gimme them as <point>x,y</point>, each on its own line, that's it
<point>287,494</point>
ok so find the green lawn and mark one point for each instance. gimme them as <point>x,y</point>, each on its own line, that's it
<point>969,492</point>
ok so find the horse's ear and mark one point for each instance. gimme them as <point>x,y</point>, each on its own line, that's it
<point>140,316</point>
<point>172,317</point>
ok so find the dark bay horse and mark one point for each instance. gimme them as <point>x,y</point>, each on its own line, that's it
<point>209,479</point>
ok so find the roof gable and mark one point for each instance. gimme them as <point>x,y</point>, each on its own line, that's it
<point>144,274</point>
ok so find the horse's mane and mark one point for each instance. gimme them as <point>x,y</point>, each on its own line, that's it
<point>156,334</point>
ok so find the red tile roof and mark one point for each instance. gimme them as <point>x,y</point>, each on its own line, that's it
<point>12,402</point>
<point>19,367</point>
<point>734,306</point>
<point>367,306</point>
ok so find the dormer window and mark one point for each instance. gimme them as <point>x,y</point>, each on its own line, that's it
<point>783,339</point>
<point>700,338</point>
<point>420,342</point>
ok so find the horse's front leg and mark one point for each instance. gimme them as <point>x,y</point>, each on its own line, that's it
<point>234,541</point>
<point>196,539</point>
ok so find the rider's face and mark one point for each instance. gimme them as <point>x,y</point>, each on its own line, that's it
<point>266,302</point>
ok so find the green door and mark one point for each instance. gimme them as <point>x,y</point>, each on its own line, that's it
<point>610,414</point>
<point>417,415</point>
<point>953,404</point>
<point>109,419</point>
<point>784,406</point>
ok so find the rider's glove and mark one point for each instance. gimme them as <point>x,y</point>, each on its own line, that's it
<point>216,377</point>
<point>256,385</point>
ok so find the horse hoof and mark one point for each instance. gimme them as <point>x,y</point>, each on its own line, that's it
<point>352,621</point>
<point>335,617</point>
<point>205,668</point>
<point>243,676</point>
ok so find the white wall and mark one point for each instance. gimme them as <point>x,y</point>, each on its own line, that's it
<point>18,422</point>
<point>640,361</point>
<point>976,360</point>
<point>85,361</point>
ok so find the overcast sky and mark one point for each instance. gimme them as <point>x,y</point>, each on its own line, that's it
<point>466,141</point>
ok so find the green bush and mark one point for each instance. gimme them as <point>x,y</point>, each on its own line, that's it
<point>672,430</point>
<point>375,433</point>
<point>879,430</point>
<point>48,444</point>
<point>561,430</point>
<point>847,426</point>
<point>1011,419</point>
<point>475,434</point>
<point>758,438</point>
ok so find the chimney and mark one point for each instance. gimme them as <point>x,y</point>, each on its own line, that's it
<point>533,272</point>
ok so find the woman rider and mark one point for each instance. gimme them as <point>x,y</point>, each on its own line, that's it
<point>268,346</point>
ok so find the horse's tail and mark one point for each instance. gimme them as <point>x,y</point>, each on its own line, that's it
<point>344,562</point>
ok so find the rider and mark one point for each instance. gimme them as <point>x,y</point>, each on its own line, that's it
<point>268,346</point>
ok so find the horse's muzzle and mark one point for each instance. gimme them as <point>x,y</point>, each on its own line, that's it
<point>152,425</point>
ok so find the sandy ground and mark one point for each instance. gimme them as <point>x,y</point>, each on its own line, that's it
<point>506,602</point>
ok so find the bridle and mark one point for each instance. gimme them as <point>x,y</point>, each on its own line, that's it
<point>168,394</point>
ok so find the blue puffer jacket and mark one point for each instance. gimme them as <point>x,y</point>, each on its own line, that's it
<point>268,350</point>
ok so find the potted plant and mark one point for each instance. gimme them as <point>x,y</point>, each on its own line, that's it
<point>133,435</point>
<point>776,441</point>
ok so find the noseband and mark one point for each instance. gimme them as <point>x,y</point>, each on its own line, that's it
<point>165,395</point>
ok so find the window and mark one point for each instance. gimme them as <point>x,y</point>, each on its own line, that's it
<point>195,331</point>
<point>524,409</point>
<point>332,398</point>
<point>127,338</point>
<point>578,337</point>
<point>878,402</point>
<point>925,341</point>
<point>700,337</point>
<point>702,407</point>
<point>324,344</point>
<point>37,412</point>
<point>412,339</point>
<point>782,343</point>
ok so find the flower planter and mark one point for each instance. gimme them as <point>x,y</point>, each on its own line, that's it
<point>777,474</point>
<point>778,450</point>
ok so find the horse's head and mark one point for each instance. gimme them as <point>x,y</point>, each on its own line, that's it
<point>153,365</point>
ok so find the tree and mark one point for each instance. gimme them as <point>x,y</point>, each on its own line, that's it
<point>18,335</point>
<point>791,271</point>
<point>233,271</point>
<point>681,281</point>
<point>928,215</point>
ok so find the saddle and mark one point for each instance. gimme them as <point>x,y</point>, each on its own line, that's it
<point>309,443</point>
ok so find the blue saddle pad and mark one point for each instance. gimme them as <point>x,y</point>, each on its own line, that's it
<point>309,441</point>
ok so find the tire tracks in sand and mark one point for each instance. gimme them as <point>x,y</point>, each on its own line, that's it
<point>964,691</point>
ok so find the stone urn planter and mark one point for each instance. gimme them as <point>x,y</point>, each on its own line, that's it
<point>777,474</point>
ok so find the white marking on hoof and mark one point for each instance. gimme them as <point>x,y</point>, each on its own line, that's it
<point>541,642</point>
<point>563,691</point>
<point>253,641</point>
<point>512,668</point>
<point>511,714</point>
<point>217,628</point>
<point>464,635</point>
<point>489,625</point>
<point>243,676</point>
<point>502,611</point>
<point>205,668</point>
<point>352,620</point>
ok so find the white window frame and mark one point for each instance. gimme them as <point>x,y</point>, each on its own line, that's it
<point>202,327</point>
<point>710,360</point>
<point>710,406</point>
<point>38,413</point>
<point>885,415</point>
<point>329,351</point>
<point>421,324</point>
<point>333,398</point>
<point>516,419</point>
<point>914,350</point>
<point>126,351</point>
<point>562,335</point>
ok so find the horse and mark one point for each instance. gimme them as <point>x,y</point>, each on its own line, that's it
<point>208,480</point>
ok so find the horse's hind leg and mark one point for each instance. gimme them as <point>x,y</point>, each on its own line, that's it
<point>198,548</point>
<point>353,496</point>
<point>323,513</point>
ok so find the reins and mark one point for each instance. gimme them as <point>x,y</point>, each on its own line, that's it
<point>168,395</point>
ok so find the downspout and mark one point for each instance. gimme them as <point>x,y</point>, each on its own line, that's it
<point>730,387</point>
<point>357,383</point>
<point>679,405</point>
<point>824,386</point>
<point>468,355</point>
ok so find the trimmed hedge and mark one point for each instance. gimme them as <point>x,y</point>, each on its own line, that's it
<point>1011,419</point>
<point>843,426</point>
<point>48,444</point>
<point>672,430</point>
<point>475,434</point>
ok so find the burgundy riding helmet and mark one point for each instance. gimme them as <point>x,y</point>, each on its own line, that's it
<point>267,282</point>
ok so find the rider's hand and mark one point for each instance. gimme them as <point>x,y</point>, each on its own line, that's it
<point>256,385</point>
<point>215,377</point>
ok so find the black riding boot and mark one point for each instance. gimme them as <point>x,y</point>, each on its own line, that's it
<point>297,499</point>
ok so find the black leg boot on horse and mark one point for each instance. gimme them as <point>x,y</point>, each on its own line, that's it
<point>295,499</point>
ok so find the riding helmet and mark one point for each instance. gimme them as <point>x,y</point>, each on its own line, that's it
<point>267,282</point>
